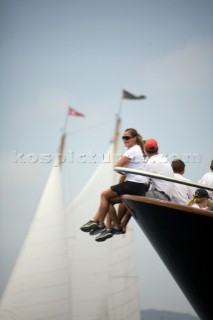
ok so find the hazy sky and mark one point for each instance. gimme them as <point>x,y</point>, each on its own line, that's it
<point>83,53</point>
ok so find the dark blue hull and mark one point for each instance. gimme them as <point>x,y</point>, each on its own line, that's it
<point>183,238</point>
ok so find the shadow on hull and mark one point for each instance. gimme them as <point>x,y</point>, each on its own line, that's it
<point>183,238</point>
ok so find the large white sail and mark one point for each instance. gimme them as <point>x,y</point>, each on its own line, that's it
<point>64,274</point>
<point>104,278</point>
<point>38,288</point>
<point>123,280</point>
<point>88,259</point>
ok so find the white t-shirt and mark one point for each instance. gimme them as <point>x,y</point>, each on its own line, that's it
<point>159,164</point>
<point>207,180</point>
<point>181,192</point>
<point>137,162</point>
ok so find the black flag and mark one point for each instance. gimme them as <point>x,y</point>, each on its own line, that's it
<point>130,96</point>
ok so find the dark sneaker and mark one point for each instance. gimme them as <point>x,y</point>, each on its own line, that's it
<point>96,231</point>
<point>106,234</point>
<point>118,230</point>
<point>87,227</point>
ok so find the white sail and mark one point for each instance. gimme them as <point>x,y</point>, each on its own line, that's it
<point>62,273</point>
<point>123,282</point>
<point>104,278</point>
<point>88,259</point>
<point>38,288</point>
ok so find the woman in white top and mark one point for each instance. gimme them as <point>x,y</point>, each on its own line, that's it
<point>134,157</point>
<point>199,199</point>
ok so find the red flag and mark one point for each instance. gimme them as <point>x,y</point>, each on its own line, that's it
<point>73,112</point>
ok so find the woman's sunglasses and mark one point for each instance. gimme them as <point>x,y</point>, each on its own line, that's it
<point>126,137</point>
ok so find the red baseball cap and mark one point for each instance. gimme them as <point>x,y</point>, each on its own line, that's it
<point>151,145</point>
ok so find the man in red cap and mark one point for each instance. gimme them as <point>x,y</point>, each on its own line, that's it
<point>158,164</point>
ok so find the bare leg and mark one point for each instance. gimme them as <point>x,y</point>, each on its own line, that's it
<point>106,196</point>
<point>108,220</point>
<point>115,200</point>
<point>113,216</point>
<point>121,211</point>
<point>125,220</point>
<point>123,216</point>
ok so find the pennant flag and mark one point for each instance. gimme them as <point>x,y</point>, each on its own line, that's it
<point>73,112</point>
<point>130,96</point>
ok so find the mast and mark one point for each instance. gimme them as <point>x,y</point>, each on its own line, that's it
<point>116,138</point>
<point>61,149</point>
<point>63,140</point>
<point>70,112</point>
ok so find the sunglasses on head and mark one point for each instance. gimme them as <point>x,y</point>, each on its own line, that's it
<point>126,137</point>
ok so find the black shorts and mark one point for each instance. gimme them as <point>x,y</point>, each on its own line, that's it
<point>130,187</point>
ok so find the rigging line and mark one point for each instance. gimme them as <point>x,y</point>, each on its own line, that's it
<point>91,127</point>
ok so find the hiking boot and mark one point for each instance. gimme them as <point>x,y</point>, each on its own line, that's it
<point>106,234</point>
<point>87,227</point>
<point>98,230</point>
